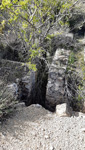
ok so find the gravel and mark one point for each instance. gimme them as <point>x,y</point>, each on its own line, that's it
<point>34,128</point>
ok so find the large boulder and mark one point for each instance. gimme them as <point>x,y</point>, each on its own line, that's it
<point>55,93</point>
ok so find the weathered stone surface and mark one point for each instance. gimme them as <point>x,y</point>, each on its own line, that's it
<point>56,78</point>
<point>10,70</point>
<point>24,87</point>
<point>63,110</point>
<point>19,106</point>
<point>12,88</point>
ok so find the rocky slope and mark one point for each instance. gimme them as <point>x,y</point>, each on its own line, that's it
<point>34,128</point>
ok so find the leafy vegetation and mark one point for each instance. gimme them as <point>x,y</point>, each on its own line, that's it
<point>76,79</point>
<point>32,20</point>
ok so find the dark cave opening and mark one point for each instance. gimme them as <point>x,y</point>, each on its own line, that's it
<point>37,95</point>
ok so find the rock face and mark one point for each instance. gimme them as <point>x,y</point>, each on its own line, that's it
<point>25,87</point>
<point>12,88</point>
<point>10,70</point>
<point>55,93</point>
<point>43,87</point>
<point>47,87</point>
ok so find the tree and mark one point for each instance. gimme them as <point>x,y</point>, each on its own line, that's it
<point>32,20</point>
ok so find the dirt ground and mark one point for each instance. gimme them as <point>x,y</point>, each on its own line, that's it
<point>34,128</point>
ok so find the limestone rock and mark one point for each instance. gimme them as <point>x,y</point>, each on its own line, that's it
<point>63,110</point>
<point>55,93</point>
<point>19,106</point>
<point>12,88</point>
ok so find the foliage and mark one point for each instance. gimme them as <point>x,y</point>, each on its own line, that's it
<point>71,58</point>
<point>76,79</point>
<point>31,20</point>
